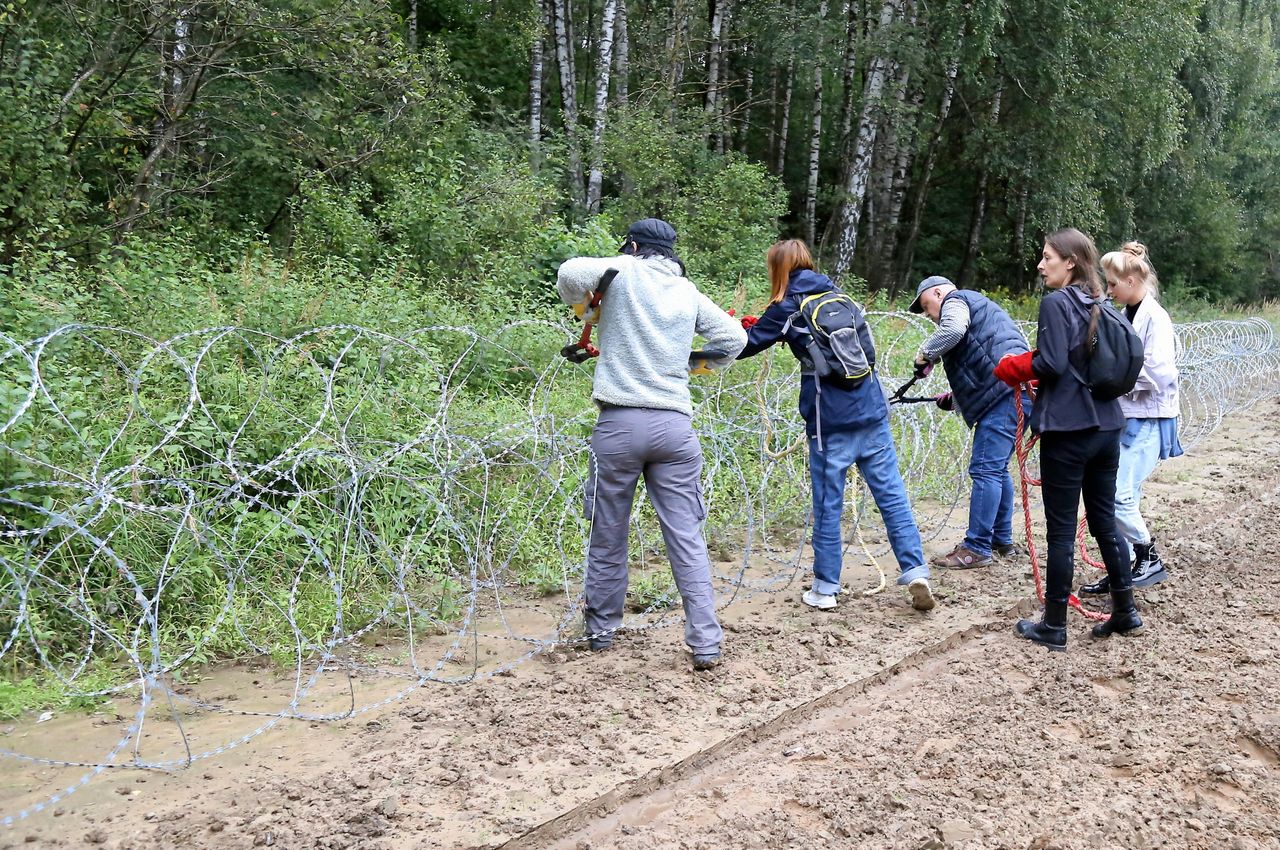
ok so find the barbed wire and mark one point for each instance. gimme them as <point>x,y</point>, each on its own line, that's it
<point>375,514</point>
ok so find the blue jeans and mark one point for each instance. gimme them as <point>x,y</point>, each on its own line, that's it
<point>872,450</point>
<point>991,503</point>
<point>1137,461</point>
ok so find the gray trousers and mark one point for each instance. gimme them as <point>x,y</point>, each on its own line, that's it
<point>660,445</point>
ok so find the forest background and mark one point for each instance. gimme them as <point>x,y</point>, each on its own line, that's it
<point>171,163</point>
<point>282,164</point>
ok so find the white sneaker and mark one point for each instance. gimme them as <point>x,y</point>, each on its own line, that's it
<point>821,601</point>
<point>921,596</point>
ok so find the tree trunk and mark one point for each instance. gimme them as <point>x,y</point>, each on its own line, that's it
<point>969,268</point>
<point>784,125</point>
<point>926,171</point>
<point>855,184</point>
<point>897,199</point>
<point>850,72</point>
<point>815,138</point>
<point>413,24</point>
<point>622,54</point>
<point>535,86</point>
<point>749,89</point>
<point>676,48</point>
<point>568,99</point>
<point>711,104</point>
<point>722,128</point>
<point>604,62</point>
<point>1017,244</point>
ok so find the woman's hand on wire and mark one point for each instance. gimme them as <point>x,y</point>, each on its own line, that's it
<point>1015,369</point>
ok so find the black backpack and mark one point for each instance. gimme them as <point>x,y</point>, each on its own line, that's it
<point>834,323</point>
<point>1113,354</point>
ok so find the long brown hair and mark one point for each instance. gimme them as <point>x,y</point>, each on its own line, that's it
<point>783,258</point>
<point>1071,244</point>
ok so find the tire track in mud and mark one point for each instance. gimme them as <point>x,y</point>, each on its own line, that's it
<point>634,792</point>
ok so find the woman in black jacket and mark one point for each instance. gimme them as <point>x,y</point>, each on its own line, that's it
<point>1079,439</point>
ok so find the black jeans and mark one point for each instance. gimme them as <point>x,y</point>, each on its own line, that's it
<point>1071,463</point>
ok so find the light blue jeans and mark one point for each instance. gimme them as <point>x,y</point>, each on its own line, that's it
<point>872,450</point>
<point>1137,461</point>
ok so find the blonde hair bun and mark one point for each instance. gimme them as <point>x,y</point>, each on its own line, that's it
<point>1137,249</point>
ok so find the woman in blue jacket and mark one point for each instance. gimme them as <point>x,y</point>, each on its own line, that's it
<point>846,425</point>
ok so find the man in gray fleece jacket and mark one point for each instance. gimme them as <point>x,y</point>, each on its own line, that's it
<point>648,318</point>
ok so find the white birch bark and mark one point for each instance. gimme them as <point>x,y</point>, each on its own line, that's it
<point>569,99</point>
<point>815,137</point>
<point>535,83</point>
<point>744,124</point>
<point>711,103</point>
<point>604,62</point>
<point>860,166</point>
<point>621,55</point>
<point>413,24</point>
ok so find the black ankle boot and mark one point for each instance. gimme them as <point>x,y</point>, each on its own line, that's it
<point>1098,588</point>
<point>1148,569</point>
<point>1050,631</point>
<point>1124,616</point>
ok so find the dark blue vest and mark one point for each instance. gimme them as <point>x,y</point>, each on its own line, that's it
<point>991,335</point>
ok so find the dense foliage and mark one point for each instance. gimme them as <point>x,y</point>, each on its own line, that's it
<point>281,164</point>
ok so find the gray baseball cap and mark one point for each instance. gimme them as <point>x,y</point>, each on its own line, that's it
<point>925,285</point>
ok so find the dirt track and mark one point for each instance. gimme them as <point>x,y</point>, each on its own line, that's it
<point>872,726</point>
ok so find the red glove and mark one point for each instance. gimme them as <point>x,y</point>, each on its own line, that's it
<point>1015,369</point>
<point>748,322</point>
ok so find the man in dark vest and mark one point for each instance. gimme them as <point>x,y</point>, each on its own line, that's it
<point>973,334</point>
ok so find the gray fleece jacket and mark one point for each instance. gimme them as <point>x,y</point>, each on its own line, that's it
<point>648,319</point>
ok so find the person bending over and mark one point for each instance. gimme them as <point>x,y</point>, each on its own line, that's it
<point>647,321</point>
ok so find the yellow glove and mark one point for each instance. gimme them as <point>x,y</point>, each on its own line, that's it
<point>585,312</point>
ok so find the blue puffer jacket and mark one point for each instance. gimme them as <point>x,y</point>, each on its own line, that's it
<point>842,409</point>
<point>991,335</point>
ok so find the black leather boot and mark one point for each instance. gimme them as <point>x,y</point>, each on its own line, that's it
<point>1050,631</point>
<point>1098,588</point>
<point>1148,569</point>
<point>1124,616</point>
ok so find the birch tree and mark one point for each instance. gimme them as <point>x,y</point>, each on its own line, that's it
<point>604,62</point>
<point>711,104</point>
<point>538,51</point>
<point>621,54</point>
<point>815,136</point>
<point>855,184</point>
<point>568,98</point>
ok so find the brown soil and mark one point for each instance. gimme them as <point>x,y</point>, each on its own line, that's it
<point>871,726</point>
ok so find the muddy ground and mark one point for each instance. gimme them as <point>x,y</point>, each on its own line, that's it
<point>871,726</point>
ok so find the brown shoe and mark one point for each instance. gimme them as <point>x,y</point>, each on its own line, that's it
<point>961,558</point>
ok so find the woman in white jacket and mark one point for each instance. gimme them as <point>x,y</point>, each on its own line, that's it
<point>1151,409</point>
